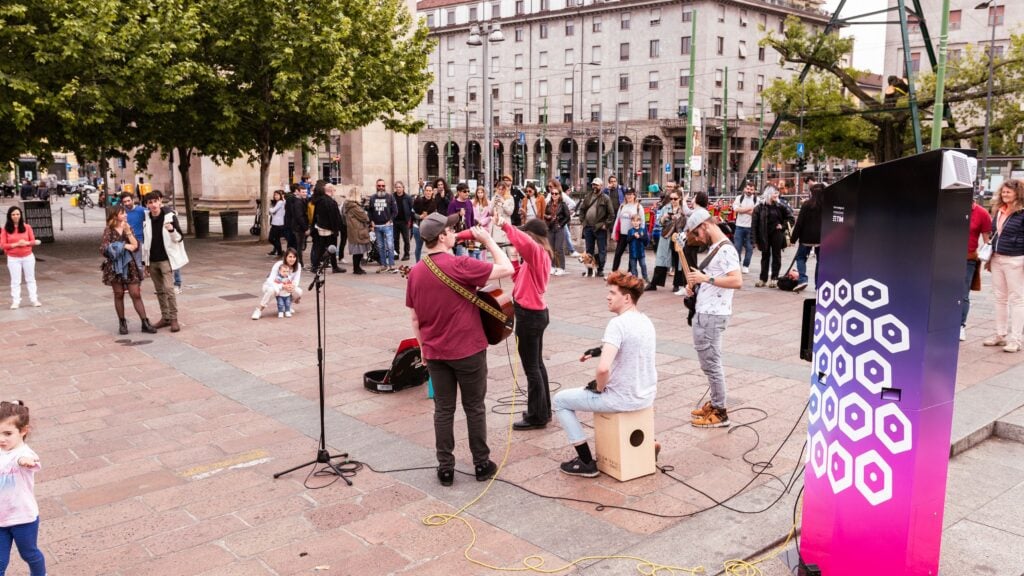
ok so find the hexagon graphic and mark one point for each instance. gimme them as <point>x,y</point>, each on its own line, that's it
<point>873,477</point>
<point>833,325</point>
<point>890,332</point>
<point>825,294</point>
<point>823,361</point>
<point>830,408</point>
<point>842,366</point>
<point>819,325</point>
<point>840,467</point>
<point>856,327</point>
<point>873,371</point>
<point>871,294</point>
<point>814,405</point>
<point>843,292</point>
<point>819,454</point>
<point>855,417</point>
<point>893,428</point>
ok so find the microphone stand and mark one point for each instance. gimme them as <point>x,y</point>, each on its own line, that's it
<point>323,456</point>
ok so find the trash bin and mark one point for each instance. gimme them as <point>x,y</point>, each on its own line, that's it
<point>202,222</point>
<point>229,224</point>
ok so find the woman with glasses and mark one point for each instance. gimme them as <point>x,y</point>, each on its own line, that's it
<point>670,216</point>
<point>556,216</point>
<point>533,204</point>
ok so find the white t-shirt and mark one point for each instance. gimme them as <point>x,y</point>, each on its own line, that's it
<point>713,299</point>
<point>634,379</point>
<point>17,488</point>
<point>626,212</point>
<point>744,220</point>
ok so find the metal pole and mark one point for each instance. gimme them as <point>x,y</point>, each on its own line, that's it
<point>543,146</point>
<point>572,130</point>
<point>580,165</point>
<point>488,121</point>
<point>689,101</point>
<point>615,149</point>
<point>760,145</point>
<point>448,150</point>
<point>725,134</point>
<point>988,100</point>
<point>940,79</point>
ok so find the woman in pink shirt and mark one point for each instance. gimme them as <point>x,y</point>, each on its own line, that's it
<point>531,282</point>
<point>17,240</point>
<point>19,512</point>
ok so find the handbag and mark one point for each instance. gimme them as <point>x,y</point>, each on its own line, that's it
<point>785,282</point>
<point>985,252</point>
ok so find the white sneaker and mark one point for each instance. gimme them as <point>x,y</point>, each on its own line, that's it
<point>256,314</point>
<point>559,271</point>
<point>963,334</point>
<point>280,314</point>
<point>746,270</point>
<point>177,289</point>
<point>552,271</point>
<point>36,303</point>
<point>680,292</point>
<point>288,314</point>
<point>14,305</point>
<point>575,254</point>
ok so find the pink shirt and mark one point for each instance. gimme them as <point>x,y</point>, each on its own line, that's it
<point>17,488</point>
<point>7,239</point>
<point>531,278</point>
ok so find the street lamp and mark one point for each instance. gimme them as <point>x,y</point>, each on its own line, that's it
<point>987,5</point>
<point>493,32</point>
<point>572,127</point>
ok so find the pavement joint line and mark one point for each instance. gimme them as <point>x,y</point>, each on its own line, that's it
<point>250,458</point>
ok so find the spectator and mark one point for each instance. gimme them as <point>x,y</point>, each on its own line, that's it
<point>770,219</point>
<point>163,250</point>
<point>17,241</point>
<point>556,216</point>
<point>980,227</point>
<point>403,219</point>
<point>357,224</point>
<point>1007,266</point>
<point>597,215</point>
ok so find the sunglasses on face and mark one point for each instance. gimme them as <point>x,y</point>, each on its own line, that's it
<point>674,198</point>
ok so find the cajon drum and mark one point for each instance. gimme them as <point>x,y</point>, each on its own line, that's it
<point>625,443</point>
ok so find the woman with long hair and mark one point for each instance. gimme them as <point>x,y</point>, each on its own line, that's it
<point>503,207</point>
<point>357,224</point>
<point>1007,266</point>
<point>443,195</point>
<point>17,241</point>
<point>671,220</point>
<point>273,287</point>
<point>556,216</point>
<point>531,310</point>
<point>481,216</point>
<point>120,271</point>
<point>533,204</point>
<point>770,219</point>
<point>276,223</point>
<point>623,222</point>
<point>807,232</point>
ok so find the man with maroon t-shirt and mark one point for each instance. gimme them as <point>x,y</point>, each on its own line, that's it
<point>981,225</point>
<point>452,339</point>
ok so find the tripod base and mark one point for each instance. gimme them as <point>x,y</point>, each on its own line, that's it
<point>322,457</point>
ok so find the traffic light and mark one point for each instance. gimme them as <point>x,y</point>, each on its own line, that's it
<point>801,164</point>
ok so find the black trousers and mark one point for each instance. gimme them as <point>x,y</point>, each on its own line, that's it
<point>449,377</point>
<point>530,326</point>
<point>402,232</point>
<point>771,255</point>
<point>620,248</point>
<point>320,244</point>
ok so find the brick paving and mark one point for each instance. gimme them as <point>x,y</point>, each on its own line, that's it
<point>158,450</point>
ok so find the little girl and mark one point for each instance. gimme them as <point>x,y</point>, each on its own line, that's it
<point>637,236</point>
<point>19,513</point>
<point>284,293</point>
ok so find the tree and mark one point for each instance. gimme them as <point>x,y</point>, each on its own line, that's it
<point>295,71</point>
<point>965,86</point>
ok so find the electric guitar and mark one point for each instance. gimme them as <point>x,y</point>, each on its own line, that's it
<point>497,312</point>
<point>689,301</point>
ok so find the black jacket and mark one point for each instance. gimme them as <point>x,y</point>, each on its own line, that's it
<point>295,218</point>
<point>403,204</point>
<point>808,225</point>
<point>326,213</point>
<point>557,218</point>
<point>767,217</point>
<point>1010,242</point>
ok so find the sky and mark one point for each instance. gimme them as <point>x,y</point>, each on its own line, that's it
<point>869,45</point>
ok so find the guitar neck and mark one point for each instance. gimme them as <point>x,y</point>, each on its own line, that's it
<point>682,257</point>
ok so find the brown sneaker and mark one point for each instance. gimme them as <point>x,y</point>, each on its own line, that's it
<point>718,418</point>
<point>704,410</point>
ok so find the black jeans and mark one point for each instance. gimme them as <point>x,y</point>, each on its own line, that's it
<point>530,326</point>
<point>320,244</point>
<point>402,232</point>
<point>620,248</point>
<point>468,375</point>
<point>772,254</point>
<point>596,242</point>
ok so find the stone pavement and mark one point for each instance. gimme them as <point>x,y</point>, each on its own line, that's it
<point>158,451</point>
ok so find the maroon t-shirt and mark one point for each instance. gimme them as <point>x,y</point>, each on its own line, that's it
<point>981,223</point>
<point>450,325</point>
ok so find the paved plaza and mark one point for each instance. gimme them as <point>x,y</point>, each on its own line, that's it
<point>158,450</point>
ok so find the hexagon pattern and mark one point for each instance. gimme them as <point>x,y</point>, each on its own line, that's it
<point>856,339</point>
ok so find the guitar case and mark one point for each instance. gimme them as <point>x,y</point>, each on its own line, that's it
<point>407,370</point>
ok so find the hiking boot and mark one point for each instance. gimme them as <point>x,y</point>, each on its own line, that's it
<point>486,471</point>
<point>704,410</point>
<point>576,467</point>
<point>718,418</point>
<point>994,340</point>
<point>446,476</point>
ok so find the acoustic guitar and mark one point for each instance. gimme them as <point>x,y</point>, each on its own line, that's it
<point>497,312</point>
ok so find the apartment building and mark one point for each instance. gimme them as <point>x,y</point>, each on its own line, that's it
<point>594,87</point>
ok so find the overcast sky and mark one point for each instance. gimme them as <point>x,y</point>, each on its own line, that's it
<point>869,45</point>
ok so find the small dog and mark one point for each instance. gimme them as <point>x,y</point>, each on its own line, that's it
<point>588,261</point>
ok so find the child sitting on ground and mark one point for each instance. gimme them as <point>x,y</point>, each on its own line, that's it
<point>637,236</point>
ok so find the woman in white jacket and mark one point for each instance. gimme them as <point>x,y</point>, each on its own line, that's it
<point>272,289</point>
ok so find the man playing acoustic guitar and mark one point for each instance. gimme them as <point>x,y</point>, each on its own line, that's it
<point>451,335</point>
<point>718,277</point>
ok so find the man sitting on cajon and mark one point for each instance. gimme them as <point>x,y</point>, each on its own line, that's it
<point>626,379</point>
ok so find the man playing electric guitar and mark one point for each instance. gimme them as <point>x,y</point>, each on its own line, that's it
<point>452,337</point>
<point>718,277</point>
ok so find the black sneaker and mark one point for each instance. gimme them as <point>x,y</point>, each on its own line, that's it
<point>600,274</point>
<point>486,471</point>
<point>446,476</point>
<point>576,467</point>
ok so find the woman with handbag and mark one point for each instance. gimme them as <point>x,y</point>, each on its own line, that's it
<point>623,222</point>
<point>670,217</point>
<point>556,216</point>
<point>771,218</point>
<point>1007,266</point>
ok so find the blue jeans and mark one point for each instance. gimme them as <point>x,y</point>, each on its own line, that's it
<point>634,262</point>
<point>803,252</point>
<point>743,239</point>
<point>177,277</point>
<point>965,307</point>
<point>568,401</point>
<point>25,536</point>
<point>284,303</point>
<point>569,248</point>
<point>385,234</point>
<point>596,239</point>
<point>419,241</point>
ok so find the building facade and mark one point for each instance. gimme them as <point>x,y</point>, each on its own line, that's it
<point>588,88</point>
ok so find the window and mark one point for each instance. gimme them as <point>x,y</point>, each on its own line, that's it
<point>518,60</point>
<point>519,33</point>
<point>740,112</point>
<point>954,54</point>
<point>760,83</point>
<point>570,28</point>
<point>995,15</point>
<point>495,9</point>
<point>998,51</point>
<point>624,51</point>
<point>655,48</point>
<point>655,16</point>
<point>782,25</point>
<point>717,106</point>
<point>760,53</point>
<point>520,6</point>
<point>494,93</point>
<point>718,78</point>
<point>472,14</point>
<point>762,20</point>
<point>430,96</point>
<point>430,20</point>
<point>567,114</point>
<point>743,48</point>
<point>430,69</point>
<point>684,45</point>
<point>542,59</point>
<point>518,90</point>
<point>542,115</point>
<point>495,64</point>
<point>595,112</point>
<point>915,61</point>
<point>624,21</point>
<point>450,17</point>
<point>652,80</point>
<point>687,15</point>
<point>595,84</point>
<point>721,12</point>
<point>496,119</point>
<point>542,88</point>
<point>517,116</point>
<point>543,29</point>
<point>570,57</point>
<point>567,86</point>
<point>682,110</point>
<point>472,66</point>
<point>624,81</point>
<point>472,94</point>
<point>452,42</point>
<point>431,121</point>
<point>743,17</point>
<point>740,77</point>
<point>652,110</point>
<point>451,94</point>
<point>720,45</point>
<point>545,4</point>
<point>684,78</point>
<point>954,19</point>
<point>596,26</point>
<point>595,54</point>
<point>622,111</point>
<point>451,69</point>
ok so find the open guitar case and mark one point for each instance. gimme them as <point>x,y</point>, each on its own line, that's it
<point>407,370</point>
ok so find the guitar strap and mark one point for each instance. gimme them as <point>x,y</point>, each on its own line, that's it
<point>462,291</point>
<point>707,260</point>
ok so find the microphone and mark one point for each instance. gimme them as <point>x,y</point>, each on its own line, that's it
<point>466,234</point>
<point>331,250</point>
